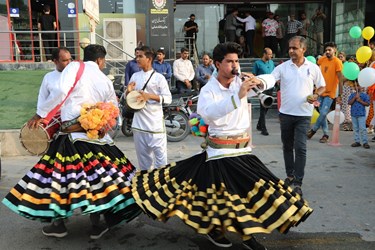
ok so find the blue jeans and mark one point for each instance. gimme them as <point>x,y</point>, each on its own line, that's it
<point>324,108</point>
<point>293,137</point>
<point>359,129</point>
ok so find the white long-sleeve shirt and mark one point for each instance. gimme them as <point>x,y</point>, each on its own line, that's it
<point>249,21</point>
<point>183,69</point>
<point>47,91</point>
<point>225,113</point>
<point>150,118</point>
<point>94,86</point>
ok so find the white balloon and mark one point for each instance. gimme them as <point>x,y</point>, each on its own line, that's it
<point>331,116</point>
<point>366,77</point>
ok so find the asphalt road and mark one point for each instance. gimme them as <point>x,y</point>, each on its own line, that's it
<point>339,185</point>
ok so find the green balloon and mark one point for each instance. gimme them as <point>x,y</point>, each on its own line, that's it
<point>311,59</point>
<point>351,71</point>
<point>355,32</point>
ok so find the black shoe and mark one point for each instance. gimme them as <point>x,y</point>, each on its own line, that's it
<point>373,139</point>
<point>298,190</point>
<point>259,128</point>
<point>218,239</point>
<point>264,132</point>
<point>98,231</point>
<point>289,181</point>
<point>253,244</point>
<point>58,231</point>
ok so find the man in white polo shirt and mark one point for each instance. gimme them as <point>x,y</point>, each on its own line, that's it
<point>298,77</point>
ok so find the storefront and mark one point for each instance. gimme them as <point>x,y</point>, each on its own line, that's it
<point>159,23</point>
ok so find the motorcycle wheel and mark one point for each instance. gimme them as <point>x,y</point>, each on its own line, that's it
<point>126,127</point>
<point>177,126</point>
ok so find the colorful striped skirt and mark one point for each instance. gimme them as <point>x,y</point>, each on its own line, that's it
<point>81,175</point>
<point>236,194</point>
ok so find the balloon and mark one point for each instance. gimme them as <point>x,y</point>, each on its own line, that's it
<point>368,32</point>
<point>351,71</point>
<point>366,77</point>
<point>355,32</point>
<point>363,54</point>
<point>331,117</point>
<point>314,116</point>
<point>311,59</point>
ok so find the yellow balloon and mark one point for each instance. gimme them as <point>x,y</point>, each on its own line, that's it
<point>368,32</point>
<point>314,116</point>
<point>363,54</point>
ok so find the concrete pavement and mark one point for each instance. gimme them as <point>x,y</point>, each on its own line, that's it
<point>339,185</point>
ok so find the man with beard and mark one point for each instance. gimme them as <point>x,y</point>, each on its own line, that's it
<point>331,68</point>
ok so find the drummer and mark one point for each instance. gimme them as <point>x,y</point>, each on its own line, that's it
<point>61,58</point>
<point>78,172</point>
<point>148,127</point>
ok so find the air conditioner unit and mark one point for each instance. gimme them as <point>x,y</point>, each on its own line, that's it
<point>120,34</point>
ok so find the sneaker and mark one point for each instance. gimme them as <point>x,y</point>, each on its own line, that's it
<point>365,145</point>
<point>264,132</point>
<point>218,239</point>
<point>98,231</point>
<point>310,133</point>
<point>253,244</point>
<point>356,144</point>
<point>58,231</point>
<point>373,139</point>
<point>298,190</point>
<point>324,139</point>
<point>288,181</point>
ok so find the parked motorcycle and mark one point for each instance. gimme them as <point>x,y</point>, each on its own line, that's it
<point>177,114</point>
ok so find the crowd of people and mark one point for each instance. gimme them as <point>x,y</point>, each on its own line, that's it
<point>206,191</point>
<point>275,30</point>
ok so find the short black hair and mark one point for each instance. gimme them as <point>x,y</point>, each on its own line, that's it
<point>192,15</point>
<point>56,52</point>
<point>149,52</point>
<point>93,52</point>
<point>222,49</point>
<point>46,8</point>
<point>330,44</point>
<point>184,50</point>
<point>160,51</point>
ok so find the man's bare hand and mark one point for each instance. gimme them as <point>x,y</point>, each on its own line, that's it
<point>34,121</point>
<point>247,85</point>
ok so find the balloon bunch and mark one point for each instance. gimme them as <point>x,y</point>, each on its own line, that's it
<point>197,125</point>
<point>351,71</point>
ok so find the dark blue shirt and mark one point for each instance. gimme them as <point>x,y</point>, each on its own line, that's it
<point>358,109</point>
<point>202,71</point>
<point>130,68</point>
<point>163,68</point>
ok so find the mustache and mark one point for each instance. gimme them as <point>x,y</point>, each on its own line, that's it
<point>235,72</point>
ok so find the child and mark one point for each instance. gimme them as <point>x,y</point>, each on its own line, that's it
<point>358,101</point>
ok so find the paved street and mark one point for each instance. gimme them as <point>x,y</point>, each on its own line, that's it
<point>339,185</point>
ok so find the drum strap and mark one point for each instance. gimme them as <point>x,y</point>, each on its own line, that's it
<point>144,87</point>
<point>53,112</point>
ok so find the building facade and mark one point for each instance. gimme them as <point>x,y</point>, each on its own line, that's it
<point>125,24</point>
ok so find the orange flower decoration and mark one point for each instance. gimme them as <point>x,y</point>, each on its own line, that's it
<point>98,119</point>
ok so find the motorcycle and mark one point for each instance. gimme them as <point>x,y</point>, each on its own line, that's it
<point>176,116</point>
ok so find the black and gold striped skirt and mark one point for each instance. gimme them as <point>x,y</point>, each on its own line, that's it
<point>236,194</point>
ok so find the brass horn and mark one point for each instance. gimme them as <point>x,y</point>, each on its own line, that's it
<point>265,100</point>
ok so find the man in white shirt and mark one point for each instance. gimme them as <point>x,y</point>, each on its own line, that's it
<point>183,71</point>
<point>250,23</point>
<point>148,126</point>
<point>61,57</point>
<point>78,173</point>
<point>298,77</point>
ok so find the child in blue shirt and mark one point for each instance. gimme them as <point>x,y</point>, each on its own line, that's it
<point>358,101</point>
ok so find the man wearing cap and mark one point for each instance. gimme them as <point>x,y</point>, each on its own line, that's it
<point>269,28</point>
<point>191,29</point>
